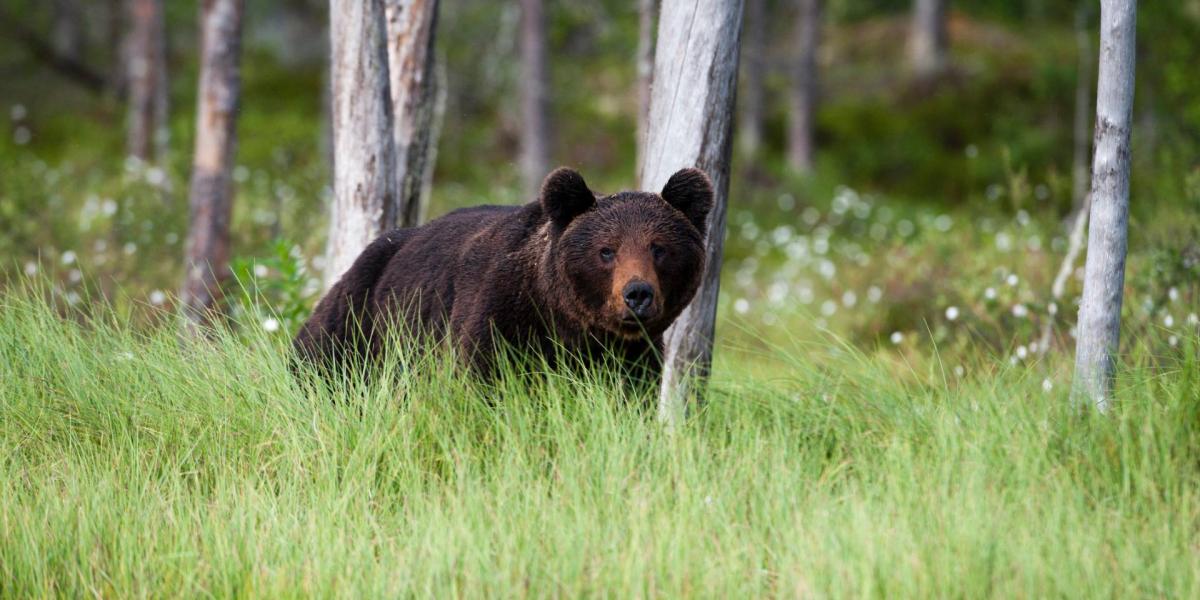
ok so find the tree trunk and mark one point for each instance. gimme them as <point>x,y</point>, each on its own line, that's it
<point>146,57</point>
<point>647,15</point>
<point>927,38</point>
<point>1104,280</point>
<point>67,28</point>
<point>805,90</point>
<point>411,29</point>
<point>754,67</point>
<point>535,132</point>
<point>211,195</point>
<point>364,187</point>
<point>691,124</point>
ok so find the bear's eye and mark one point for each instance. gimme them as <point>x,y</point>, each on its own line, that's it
<point>607,255</point>
<point>657,251</point>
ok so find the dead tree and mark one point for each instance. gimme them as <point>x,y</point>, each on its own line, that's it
<point>647,16</point>
<point>535,128</point>
<point>146,78</point>
<point>691,124</point>
<point>927,37</point>
<point>1099,326</point>
<point>411,30</point>
<point>211,195</point>
<point>364,186</point>
<point>801,145</point>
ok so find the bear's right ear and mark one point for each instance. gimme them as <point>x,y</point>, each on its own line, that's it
<point>565,196</point>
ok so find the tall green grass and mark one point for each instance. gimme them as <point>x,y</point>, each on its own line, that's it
<point>135,465</point>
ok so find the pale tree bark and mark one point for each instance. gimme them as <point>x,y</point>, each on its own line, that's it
<point>411,29</point>
<point>364,154</point>
<point>534,86</point>
<point>211,194</point>
<point>805,90</point>
<point>647,18</point>
<point>752,100</point>
<point>927,37</point>
<point>691,125</point>
<point>1099,324</point>
<point>146,58</point>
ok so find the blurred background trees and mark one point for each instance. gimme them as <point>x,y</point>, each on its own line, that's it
<point>925,193</point>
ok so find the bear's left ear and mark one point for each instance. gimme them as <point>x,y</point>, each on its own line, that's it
<point>691,192</point>
<point>565,196</point>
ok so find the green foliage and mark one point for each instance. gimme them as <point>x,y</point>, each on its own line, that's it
<point>135,465</point>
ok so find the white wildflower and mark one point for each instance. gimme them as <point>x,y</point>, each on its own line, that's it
<point>1168,321</point>
<point>260,270</point>
<point>68,257</point>
<point>1020,311</point>
<point>990,293</point>
<point>157,297</point>
<point>1047,385</point>
<point>741,306</point>
<point>828,308</point>
<point>874,294</point>
<point>897,337</point>
<point>1012,279</point>
<point>31,268</point>
<point>270,325</point>
<point>849,299</point>
<point>951,313</point>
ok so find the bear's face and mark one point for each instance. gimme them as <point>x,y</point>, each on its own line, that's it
<point>633,260</point>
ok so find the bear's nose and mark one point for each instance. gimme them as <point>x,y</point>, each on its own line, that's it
<point>638,297</point>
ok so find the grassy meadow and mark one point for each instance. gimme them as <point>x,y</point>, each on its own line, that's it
<point>889,414</point>
<point>132,465</point>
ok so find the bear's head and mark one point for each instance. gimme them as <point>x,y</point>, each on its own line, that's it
<point>627,263</point>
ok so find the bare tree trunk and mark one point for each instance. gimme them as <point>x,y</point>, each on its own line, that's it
<point>535,130</point>
<point>805,91</point>
<point>411,29</point>
<point>146,57</point>
<point>211,195</point>
<point>364,187</point>
<point>67,28</point>
<point>647,15</point>
<point>927,38</point>
<point>1104,280</point>
<point>754,67</point>
<point>691,124</point>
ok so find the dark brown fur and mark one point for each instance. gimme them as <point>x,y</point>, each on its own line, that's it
<point>551,272</point>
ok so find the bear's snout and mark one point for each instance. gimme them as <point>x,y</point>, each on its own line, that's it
<point>639,297</point>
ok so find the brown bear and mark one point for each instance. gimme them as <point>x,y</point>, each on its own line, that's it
<point>577,271</point>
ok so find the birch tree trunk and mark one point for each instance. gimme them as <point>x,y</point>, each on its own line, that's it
<point>1104,280</point>
<point>146,57</point>
<point>927,37</point>
<point>411,30</point>
<point>801,147</point>
<point>364,155</point>
<point>535,132</point>
<point>754,59</point>
<point>691,124</point>
<point>647,15</point>
<point>211,195</point>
